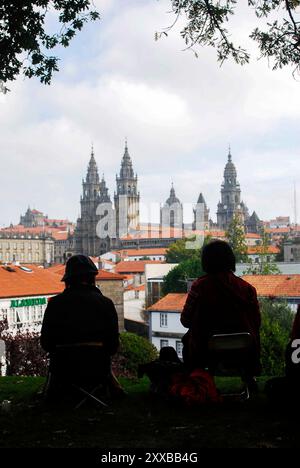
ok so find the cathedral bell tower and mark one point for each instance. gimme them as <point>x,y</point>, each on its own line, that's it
<point>230,204</point>
<point>127,198</point>
<point>94,192</point>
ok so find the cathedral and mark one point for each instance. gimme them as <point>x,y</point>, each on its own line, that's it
<point>102,224</point>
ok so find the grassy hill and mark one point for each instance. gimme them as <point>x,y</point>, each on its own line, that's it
<point>142,420</point>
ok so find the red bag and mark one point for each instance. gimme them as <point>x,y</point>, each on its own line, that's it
<point>195,388</point>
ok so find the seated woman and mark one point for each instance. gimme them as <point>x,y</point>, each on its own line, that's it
<point>219,303</point>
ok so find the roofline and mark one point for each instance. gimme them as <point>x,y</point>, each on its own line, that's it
<point>159,310</point>
<point>31,295</point>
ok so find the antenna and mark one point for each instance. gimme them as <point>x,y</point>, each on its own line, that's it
<point>295,206</point>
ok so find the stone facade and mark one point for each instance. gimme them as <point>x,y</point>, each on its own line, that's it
<point>230,204</point>
<point>201,215</point>
<point>171,213</point>
<point>101,225</point>
<point>26,248</point>
<point>32,218</point>
<point>115,291</point>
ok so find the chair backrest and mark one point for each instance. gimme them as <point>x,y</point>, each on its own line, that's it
<point>229,353</point>
<point>230,342</point>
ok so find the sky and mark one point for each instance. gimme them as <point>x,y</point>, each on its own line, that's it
<point>179,114</point>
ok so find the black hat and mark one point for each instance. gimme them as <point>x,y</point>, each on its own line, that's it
<point>79,265</point>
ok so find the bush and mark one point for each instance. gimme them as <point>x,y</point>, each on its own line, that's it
<point>134,350</point>
<point>277,319</point>
<point>24,354</point>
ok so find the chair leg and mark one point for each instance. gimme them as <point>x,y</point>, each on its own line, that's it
<point>88,395</point>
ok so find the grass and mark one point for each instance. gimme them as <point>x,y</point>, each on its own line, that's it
<point>142,420</point>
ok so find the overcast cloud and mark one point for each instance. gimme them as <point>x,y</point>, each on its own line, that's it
<point>179,114</point>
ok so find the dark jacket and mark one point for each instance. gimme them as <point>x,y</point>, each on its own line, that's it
<point>78,315</point>
<point>216,304</point>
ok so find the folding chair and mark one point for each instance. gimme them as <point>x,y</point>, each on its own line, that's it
<point>79,369</point>
<point>229,356</point>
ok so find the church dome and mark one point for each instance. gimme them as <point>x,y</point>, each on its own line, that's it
<point>172,198</point>
<point>230,170</point>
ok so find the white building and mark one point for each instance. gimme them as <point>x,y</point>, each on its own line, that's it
<point>165,328</point>
<point>24,294</point>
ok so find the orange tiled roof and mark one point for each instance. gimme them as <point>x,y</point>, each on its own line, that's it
<point>266,286</point>
<point>19,283</point>
<point>55,232</point>
<point>172,302</point>
<point>134,267</point>
<point>132,287</point>
<point>283,230</point>
<point>254,249</point>
<point>142,252</point>
<point>103,275</point>
<point>275,285</point>
<point>108,275</point>
<point>60,235</point>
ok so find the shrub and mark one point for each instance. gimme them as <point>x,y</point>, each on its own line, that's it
<point>134,350</point>
<point>24,354</point>
<point>277,319</point>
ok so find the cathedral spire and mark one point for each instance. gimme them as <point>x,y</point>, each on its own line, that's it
<point>103,190</point>
<point>126,164</point>
<point>229,154</point>
<point>92,172</point>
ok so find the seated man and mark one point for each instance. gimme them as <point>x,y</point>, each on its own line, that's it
<point>80,316</point>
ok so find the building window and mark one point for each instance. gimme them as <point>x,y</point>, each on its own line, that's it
<point>172,218</point>
<point>163,320</point>
<point>179,347</point>
<point>164,343</point>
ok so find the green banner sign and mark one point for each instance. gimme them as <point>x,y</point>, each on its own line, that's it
<point>28,302</point>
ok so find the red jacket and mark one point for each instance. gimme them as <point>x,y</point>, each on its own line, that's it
<point>219,303</point>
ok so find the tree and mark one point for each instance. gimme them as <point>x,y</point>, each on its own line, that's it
<point>236,238</point>
<point>176,280</point>
<point>177,252</point>
<point>180,251</point>
<point>277,33</point>
<point>280,245</point>
<point>277,320</point>
<point>266,265</point>
<point>25,42</point>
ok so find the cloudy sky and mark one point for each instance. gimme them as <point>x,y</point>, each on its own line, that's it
<point>178,112</point>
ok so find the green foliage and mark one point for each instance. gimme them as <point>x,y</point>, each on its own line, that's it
<point>277,319</point>
<point>177,252</point>
<point>176,279</point>
<point>24,41</point>
<point>277,33</point>
<point>134,350</point>
<point>280,256</point>
<point>24,355</point>
<point>236,238</point>
<point>266,264</point>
